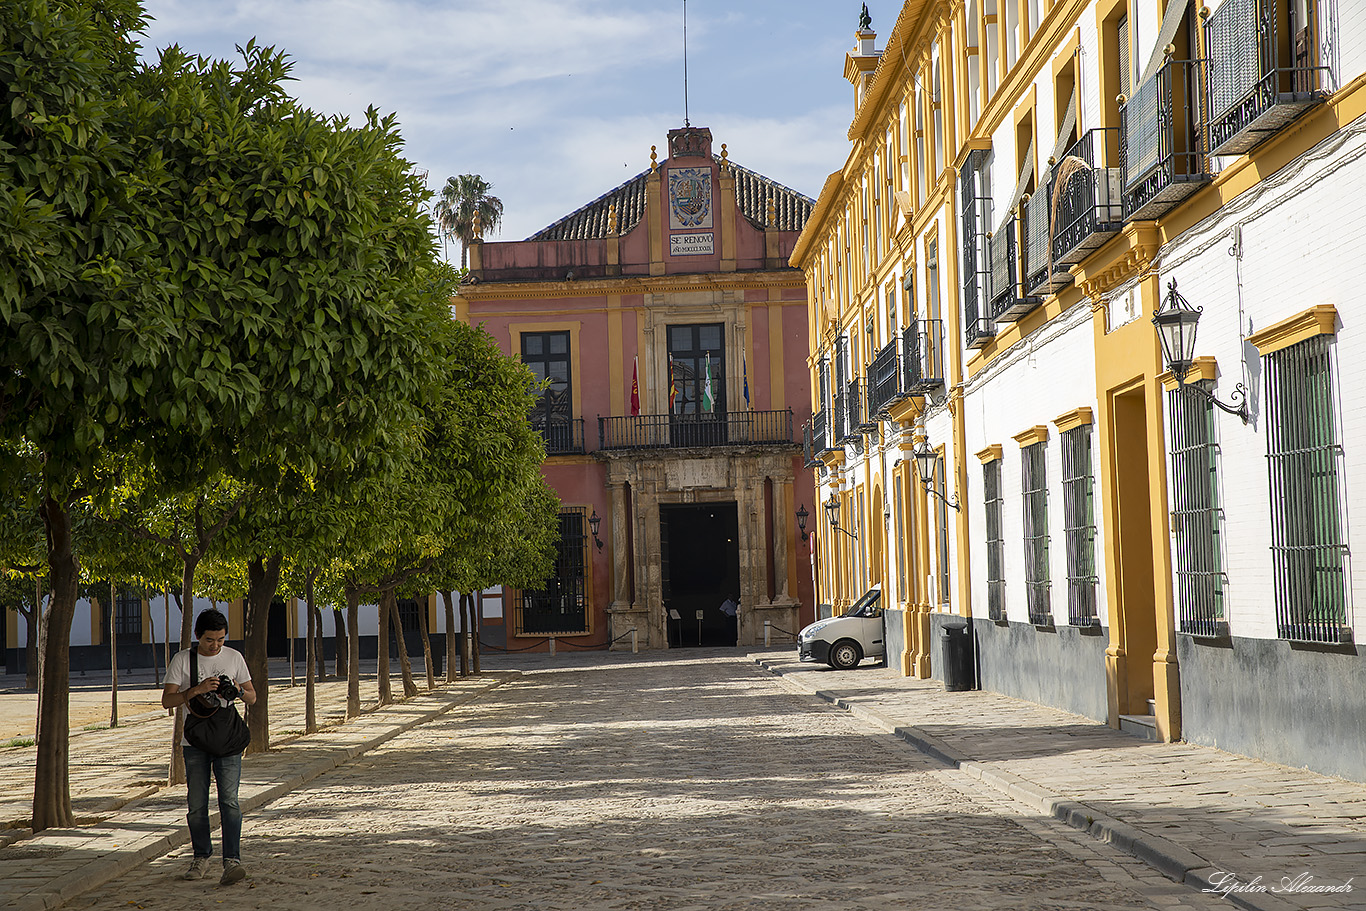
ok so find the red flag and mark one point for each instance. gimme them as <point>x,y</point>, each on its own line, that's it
<point>673,389</point>
<point>635,387</point>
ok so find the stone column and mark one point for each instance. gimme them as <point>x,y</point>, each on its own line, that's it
<point>782,487</point>
<point>621,583</point>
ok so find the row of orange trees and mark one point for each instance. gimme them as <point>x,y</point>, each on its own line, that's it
<point>225,341</point>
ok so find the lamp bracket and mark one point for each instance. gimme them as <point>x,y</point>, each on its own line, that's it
<point>1238,398</point>
<point>951,503</point>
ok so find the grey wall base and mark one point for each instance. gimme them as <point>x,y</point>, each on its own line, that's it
<point>1063,667</point>
<point>1297,705</point>
<point>894,636</point>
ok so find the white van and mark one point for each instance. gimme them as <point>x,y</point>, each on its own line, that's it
<point>842,642</point>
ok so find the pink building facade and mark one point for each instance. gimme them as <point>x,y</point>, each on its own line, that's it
<point>672,336</point>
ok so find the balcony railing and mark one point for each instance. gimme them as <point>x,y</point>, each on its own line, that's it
<point>923,356</point>
<point>884,379</point>
<point>1035,221</point>
<point>839,425</point>
<point>1159,141</point>
<point>820,432</point>
<point>1089,194</point>
<point>679,431</point>
<point>860,419</point>
<point>562,437</point>
<point>1264,71</point>
<point>1008,300</point>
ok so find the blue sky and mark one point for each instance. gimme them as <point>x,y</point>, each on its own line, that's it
<point>557,101</point>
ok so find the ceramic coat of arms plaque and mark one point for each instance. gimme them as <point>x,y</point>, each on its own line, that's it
<point>689,198</point>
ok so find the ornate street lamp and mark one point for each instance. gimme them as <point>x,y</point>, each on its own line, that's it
<point>593,522</point>
<point>832,512</point>
<point>926,461</point>
<point>1176,322</point>
<point>801,522</point>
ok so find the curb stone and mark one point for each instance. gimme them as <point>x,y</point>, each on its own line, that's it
<point>1168,858</point>
<point>70,885</point>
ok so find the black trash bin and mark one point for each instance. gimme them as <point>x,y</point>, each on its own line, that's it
<point>958,674</point>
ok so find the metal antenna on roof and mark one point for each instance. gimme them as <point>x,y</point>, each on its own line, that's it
<point>686,122</point>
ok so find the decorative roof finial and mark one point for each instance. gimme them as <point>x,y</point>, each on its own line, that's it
<point>865,21</point>
<point>654,157</point>
<point>476,226</point>
<point>612,220</point>
<point>771,214</point>
<point>725,159</point>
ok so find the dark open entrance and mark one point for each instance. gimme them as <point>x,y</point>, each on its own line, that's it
<point>277,630</point>
<point>700,557</point>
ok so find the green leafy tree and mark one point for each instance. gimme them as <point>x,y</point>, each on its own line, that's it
<point>465,210</point>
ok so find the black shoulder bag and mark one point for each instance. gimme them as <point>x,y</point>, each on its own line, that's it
<point>217,730</point>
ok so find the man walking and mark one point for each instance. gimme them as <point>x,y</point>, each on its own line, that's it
<point>222,676</point>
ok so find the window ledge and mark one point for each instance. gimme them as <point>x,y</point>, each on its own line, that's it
<point>1319,320</point>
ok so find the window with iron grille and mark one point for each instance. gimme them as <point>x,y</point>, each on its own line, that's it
<point>128,613</point>
<point>996,544</point>
<point>1196,515</point>
<point>1036,535</point>
<point>1079,526</point>
<point>942,521</point>
<point>561,607</point>
<point>547,354</point>
<point>902,591</point>
<point>408,619</point>
<point>1308,538</point>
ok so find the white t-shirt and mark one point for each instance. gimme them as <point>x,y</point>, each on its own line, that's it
<point>228,661</point>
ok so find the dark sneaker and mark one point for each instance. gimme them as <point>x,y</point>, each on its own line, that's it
<point>233,872</point>
<point>198,867</point>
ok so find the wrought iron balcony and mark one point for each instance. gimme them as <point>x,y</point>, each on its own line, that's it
<point>681,431</point>
<point>1159,142</point>
<point>923,366</point>
<point>1088,197</point>
<point>820,432</point>
<point>1264,71</point>
<point>978,329</point>
<point>858,415</point>
<point>839,424</point>
<point>1008,299</point>
<point>1035,221</point>
<point>809,458</point>
<point>884,379</point>
<point>562,436</point>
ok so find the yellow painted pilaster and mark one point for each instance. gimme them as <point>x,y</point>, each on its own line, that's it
<point>777,364</point>
<point>616,367</point>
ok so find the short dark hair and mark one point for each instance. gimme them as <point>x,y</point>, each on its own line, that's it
<point>209,619</point>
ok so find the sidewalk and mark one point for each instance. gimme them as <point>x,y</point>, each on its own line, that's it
<point>1267,834</point>
<point>128,817</point>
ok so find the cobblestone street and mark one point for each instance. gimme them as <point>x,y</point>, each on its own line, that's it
<point>692,781</point>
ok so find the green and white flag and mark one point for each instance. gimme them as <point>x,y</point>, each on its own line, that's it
<point>708,402</point>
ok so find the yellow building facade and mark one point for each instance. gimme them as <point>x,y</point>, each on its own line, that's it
<point>998,432</point>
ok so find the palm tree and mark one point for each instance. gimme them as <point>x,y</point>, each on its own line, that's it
<point>462,198</point>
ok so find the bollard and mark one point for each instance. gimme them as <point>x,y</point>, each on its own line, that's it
<point>552,646</point>
<point>635,642</point>
<point>767,625</point>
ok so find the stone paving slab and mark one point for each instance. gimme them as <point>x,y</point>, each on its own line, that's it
<point>1203,817</point>
<point>46,870</point>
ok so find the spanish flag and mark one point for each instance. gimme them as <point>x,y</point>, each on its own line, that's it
<point>635,387</point>
<point>673,387</point>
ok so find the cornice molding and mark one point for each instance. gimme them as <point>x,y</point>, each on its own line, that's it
<point>1072,419</point>
<point>1036,434</point>
<point>993,453</point>
<point>1319,320</point>
<point>1202,368</point>
<point>1131,253</point>
<point>633,284</point>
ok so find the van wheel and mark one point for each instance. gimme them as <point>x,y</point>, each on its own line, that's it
<point>845,654</point>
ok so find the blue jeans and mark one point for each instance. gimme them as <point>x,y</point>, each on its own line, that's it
<point>227,772</point>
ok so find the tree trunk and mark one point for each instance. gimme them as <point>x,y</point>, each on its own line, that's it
<point>113,663</point>
<point>263,579</point>
<point>52,783</point>
<point>175,773</point>
<point>310,694</point>
<point>476,614</point>
<point>352,654</point>
<point>452,637</point>
<point>341,642</point>
<point>405,666</point>
<point>386,695</point>
<point>426,643</point>
<point>291,619</point>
